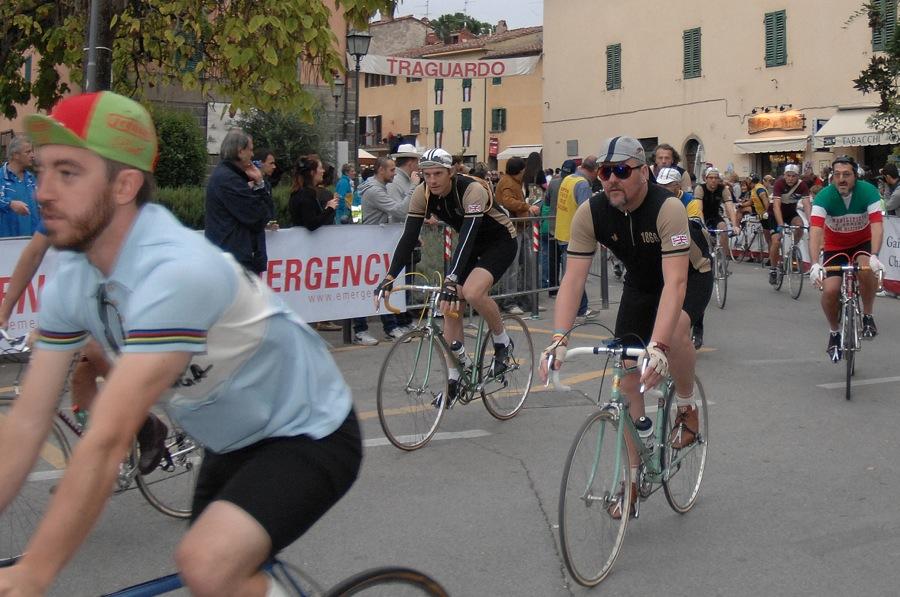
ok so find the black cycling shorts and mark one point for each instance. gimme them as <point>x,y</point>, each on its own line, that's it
<point>788,213</point>
<point>843,256</point>
<point>495,257</point>
<point>285,483</point>
<point>637,309</point>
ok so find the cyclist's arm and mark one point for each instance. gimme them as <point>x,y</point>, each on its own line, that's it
<point>675,273</point>
<point>776,209</point>
<point>23,432</point>
<point>816,237</point>
<point>136,383</point>
<point>877,236</point>
<point>474,204</point>
<point>730,211</point>
<point>28,263</point>
<point>406,244</point>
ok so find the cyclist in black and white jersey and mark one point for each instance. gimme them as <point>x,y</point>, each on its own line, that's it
<point>485,249</point>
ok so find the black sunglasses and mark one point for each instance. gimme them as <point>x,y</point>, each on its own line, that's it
<point>622,171</point>
<point>113,330</point>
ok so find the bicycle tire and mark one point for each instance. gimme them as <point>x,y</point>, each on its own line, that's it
<point>590,538</point>
<point>410,416</point>
<point>682,485</point>
<point>21,517</point>
<point>780,272</point>
<point>505,395</point>
<point>795,273</point>
<point>848,341</point>
<point>170,486</point>
<point>388,581</point>
<point>721,278</point>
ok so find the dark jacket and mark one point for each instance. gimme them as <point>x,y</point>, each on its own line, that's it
<point>306,210</point>
<point>236,215</point>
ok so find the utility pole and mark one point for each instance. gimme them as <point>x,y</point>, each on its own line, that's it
<point>98,66</point>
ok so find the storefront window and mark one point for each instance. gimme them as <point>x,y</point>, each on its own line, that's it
<point>774,163</point>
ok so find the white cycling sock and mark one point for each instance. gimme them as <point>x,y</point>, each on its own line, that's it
<point>685,400</point>
<point>501,338</point>
<point>276,589</point>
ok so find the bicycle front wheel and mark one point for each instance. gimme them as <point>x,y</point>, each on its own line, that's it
<point>170,486</point>
<point>389,582</point>
<point>795,272</point>
<point>595,480</point>
<point>505,394</point>
<point>849,341</point>
<point>721,278</point>
<point>683,460</point>
<point>412,389</point>
<point>21,517</point>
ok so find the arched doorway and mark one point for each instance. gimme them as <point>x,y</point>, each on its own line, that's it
<point>693,156</point>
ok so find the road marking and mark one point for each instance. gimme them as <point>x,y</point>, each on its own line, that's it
<point>862,382</point>
<point>8,390</point>
<point>45,476</point>
<point>440,436</point>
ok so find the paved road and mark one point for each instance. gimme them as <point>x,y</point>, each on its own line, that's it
<point>799,496</point>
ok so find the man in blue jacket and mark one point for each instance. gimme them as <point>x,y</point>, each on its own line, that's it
<point>237,209</point>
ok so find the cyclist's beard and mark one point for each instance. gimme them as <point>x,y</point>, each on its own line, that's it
<point>87,226</point>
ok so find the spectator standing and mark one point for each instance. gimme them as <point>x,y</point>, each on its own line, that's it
<point>550,199</point>
<point>665,156</point>
<point>406,177</point>
<point>383,207</point>
<point>891,190</point>
<point>574,190</point>
<point>349,209</point>
<point>19,214</point>
<point>238,203</point>
<point>536,181</point>
<point>511,195</point>
<point>304,203</point>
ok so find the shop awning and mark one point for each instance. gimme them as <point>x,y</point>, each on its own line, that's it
<point>771,144</point>
<point>848,128</point>
<point>518,151</point>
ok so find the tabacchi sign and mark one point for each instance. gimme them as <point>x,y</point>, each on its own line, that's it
<point>447,69</point>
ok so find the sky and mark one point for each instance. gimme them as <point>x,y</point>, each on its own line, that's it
<point>517,13</point>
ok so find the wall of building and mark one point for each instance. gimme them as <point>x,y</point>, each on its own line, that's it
<point>824,54</point>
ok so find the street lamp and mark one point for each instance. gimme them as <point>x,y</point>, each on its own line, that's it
<point>337,90</point>
<point>357,46</point>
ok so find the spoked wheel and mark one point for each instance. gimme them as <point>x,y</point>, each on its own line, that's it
<point>388,582</point>
<point>684,456</point>
<point>779,273</point>
<point>721,278</point>
<point>848,340</point>
<point>795,272</point>
<point>505,394</point>
<point>170,486</point>
<point>412,390</point>
<point>595,480</point>
<point>21,517</point>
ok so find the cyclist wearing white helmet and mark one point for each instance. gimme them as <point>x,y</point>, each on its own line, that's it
<point>485,249</point>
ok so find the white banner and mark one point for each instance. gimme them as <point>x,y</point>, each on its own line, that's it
<point>330,273</point>
<point>424,68</point>
<point>890,253</point>
<point>324,275</point>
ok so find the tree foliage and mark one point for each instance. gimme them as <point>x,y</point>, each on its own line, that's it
<point>182,148</point>
<point>447,24</point>
<point>881,74</point>
<point>248,51</point>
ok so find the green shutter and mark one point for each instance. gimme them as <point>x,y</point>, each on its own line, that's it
<point>882,35</point>
<point>614,66</point>
<point>467,119</point>
<point>438,84</point>
<point>466,83</point>
<point>439,121</point>
<point>776,38</point>
<point>496,80</point>
<point>692,53</point>
<point>498,120</point>
<point>28,70</point>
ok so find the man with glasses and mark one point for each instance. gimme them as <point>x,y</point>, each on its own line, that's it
<point>239,371</point>
<point>789,192</point>
<point>846,219</point>
<point>667,283</point>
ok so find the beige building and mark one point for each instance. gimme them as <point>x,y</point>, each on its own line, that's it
<point>742,85</point>
<point>479,118</point>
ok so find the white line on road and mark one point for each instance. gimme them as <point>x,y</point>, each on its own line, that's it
<point>862,382</point>
<point>442,435</point>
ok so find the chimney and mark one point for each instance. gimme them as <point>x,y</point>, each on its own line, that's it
<point>501,27</point>
<point>431,38</point>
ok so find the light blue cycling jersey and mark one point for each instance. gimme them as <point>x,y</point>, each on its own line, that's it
<point>258,370</point>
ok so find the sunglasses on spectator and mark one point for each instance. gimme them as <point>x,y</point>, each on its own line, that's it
<point>622,171</point>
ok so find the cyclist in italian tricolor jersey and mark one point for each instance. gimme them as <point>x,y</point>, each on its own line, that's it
<point>846,215</point>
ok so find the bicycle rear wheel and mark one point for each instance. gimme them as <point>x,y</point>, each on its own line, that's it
<point>740,243</point>
<point>170,486</point>
<point>595,478</point>
<point>412,389</point>
<point>21,517</point>
<point>721,278</point>
<point>505,394</point>
<point>795,272</point>
<point>389,582</point>
<point>683,468</point>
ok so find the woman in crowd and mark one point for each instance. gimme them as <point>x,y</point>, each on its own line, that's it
<point>304,204</point>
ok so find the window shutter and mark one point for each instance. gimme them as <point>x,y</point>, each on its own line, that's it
<point>614,66</point>
<point>692,53</point>
<point>439,121</point>
<point>466,119</point>
<point>882,36</point>
<point>438,84</point>
<point>497,81</point>
<point>28,70</point>
<point>776,38</point>
<point>502,119</point>
<point>467,83</point>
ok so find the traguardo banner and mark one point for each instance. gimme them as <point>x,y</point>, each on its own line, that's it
<point>328,274</point>
<point>424,68</point>
<point>890,254</point>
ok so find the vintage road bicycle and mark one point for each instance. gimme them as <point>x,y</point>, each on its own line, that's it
<point>413,384</point>
<point>597,480</point>
<point>168,488</point>
<point>791,265</point>
<point>719,263</point>
<point>749,241</point>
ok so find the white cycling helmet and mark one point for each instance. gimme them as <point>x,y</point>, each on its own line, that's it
<point>436,158</point>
